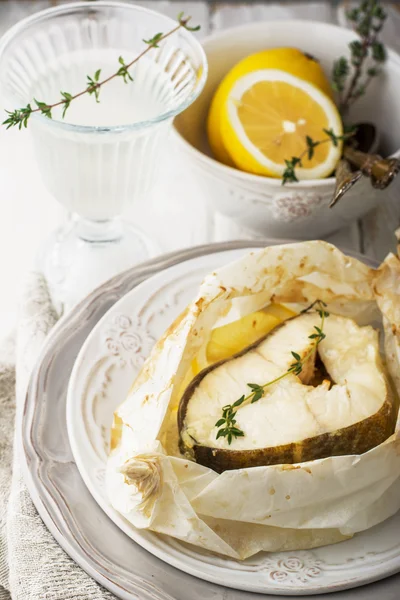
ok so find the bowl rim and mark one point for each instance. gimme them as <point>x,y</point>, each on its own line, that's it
<point>89,5</point>
<point>393,57</point>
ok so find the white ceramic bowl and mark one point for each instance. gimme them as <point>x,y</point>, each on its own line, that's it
<point>297,210</point>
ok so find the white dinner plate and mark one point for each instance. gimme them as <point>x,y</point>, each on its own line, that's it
<point>106,366</point>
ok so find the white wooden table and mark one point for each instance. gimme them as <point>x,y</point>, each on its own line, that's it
<point>177,216</point>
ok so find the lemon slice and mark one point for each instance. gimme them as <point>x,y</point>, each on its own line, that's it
<point>290,60</point>
<point>266,119</point>
<point>280,311</point>
<point>227,340</point>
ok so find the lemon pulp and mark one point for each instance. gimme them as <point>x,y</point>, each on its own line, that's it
<point>266,121</point>
<point>277,117</point>
<point>290,60</point>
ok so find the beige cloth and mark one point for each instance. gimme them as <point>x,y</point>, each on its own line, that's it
<point>32,564</point>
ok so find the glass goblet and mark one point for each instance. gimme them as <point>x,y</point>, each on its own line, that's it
<point>102,155</point>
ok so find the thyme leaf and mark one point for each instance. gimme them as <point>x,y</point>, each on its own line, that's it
<point>123,71</point>
<point>94,85</point>
<point>44,108</point>
<point>67,101</point>
<point>153,42</point>
<point>289,173</point>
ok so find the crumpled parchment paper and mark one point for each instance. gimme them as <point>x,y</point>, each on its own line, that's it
<point>282,507</point>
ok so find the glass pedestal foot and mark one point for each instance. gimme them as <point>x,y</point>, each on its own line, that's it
<point>82,255</point>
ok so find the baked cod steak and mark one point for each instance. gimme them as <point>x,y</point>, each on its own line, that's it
<point>341,402</point>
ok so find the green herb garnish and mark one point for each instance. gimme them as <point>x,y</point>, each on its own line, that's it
<point>227,423</point>
<point>20,117</point>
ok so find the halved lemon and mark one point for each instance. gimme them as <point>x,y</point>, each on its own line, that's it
<point>267,117</point>
<point>290,60</point>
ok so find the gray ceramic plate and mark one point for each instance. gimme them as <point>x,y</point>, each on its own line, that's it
<point>66,505</point>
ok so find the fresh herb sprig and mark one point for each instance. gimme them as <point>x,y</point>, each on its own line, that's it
<point>289,174</point>
<point>351,77</point>
<point>20,117</point>
<point>227,424</point>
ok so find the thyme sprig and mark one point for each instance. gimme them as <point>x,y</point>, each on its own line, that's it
<point>357,72</point>
<point>350,76</point>
<point>227,423</point>
<point>20,117</point>
<point>289,174</point>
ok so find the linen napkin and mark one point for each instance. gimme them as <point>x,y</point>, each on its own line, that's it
<point>32,564</point>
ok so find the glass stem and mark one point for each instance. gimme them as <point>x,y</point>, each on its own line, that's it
<point>98,232</point>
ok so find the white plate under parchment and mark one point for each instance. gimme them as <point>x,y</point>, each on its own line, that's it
<point>104,371</point>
